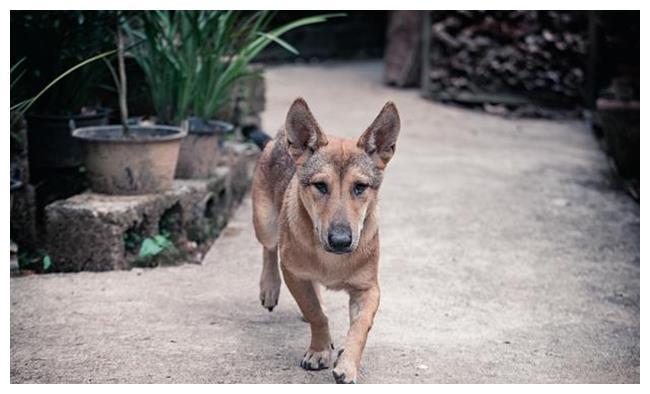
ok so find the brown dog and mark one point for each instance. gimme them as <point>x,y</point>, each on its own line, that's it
<point>315,199</point>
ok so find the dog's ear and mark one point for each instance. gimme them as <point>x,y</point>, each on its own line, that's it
<point>304,136</point>
<point>381,136</point>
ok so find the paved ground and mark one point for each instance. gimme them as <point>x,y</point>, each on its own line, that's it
<point>507,256</point>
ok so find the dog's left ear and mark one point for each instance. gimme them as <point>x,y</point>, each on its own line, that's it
<point>381,136</point>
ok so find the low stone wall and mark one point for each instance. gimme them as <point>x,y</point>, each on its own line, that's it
<point>96,232</point>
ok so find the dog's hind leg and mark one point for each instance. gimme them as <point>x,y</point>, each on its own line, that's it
<point>270,280</point>
<point>320,351</point>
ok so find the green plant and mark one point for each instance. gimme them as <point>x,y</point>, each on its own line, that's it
<point>17,110</point>
<point>20,108</point>
<point>38,261</point>
<point>155,245</point>
<point>119,77</point>
<point>47,262</point>
<point>51,42</point>
<point>191,59</point>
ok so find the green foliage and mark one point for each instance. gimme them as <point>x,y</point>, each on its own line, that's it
<point>51,42</point>
<point>191,59</point>
<point>47,262</point>
<point>38,261</point>
<point>154,246</point>
<point>19,109</point>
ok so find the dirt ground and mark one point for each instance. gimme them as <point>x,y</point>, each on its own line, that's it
<point>508,255</point>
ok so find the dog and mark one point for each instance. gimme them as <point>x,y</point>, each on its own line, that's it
<point>315,204</point>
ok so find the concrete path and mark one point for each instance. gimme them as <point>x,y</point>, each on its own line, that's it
<point>507,256</point>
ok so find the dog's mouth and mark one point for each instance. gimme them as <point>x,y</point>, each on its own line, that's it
<point>338,251</point>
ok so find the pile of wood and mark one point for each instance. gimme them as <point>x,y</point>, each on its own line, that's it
<point>507,60</point>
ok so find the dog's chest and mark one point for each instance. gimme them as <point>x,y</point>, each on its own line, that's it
<point>326,268</point>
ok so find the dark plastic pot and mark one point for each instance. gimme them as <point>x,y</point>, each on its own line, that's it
<point>49,140</point>
<point>119,165</point>
<point>199,152</point>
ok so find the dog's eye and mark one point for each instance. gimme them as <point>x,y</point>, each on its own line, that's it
<point>359,188</point>
<point>321,186</point>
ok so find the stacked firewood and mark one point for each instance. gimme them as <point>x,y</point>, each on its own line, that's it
<point>507,59</point>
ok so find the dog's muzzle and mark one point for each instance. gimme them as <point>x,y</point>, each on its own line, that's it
<point>339,239</point>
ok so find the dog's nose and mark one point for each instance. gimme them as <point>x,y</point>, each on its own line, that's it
<point>339,237</point>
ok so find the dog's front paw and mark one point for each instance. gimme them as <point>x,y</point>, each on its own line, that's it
<point>345,371</point>
<point>269,293</point>
<point>314,360</point>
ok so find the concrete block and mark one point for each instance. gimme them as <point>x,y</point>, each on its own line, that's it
<point>97,232</point>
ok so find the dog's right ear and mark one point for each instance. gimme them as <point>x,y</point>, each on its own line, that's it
<point>381,136</point>
<point>304,136</point>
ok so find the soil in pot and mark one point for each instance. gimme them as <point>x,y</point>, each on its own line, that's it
<point>141,164</point>
<point>199,153</point>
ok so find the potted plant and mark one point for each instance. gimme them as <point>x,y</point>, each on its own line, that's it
<point>125,159</point>
<point>191,61</point>
<point>51,42</point>
<point>19,108</point>
<point>23,219</point>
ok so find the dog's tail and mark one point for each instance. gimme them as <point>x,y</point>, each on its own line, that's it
<point>257,135</point>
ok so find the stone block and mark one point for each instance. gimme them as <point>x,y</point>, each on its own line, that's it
<point>92,231</point>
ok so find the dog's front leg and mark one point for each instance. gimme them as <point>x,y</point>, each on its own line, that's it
<point>319,353</point>
<point>363,306</point>
<point>270,280</point>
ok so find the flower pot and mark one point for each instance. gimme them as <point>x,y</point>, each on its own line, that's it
<point>199,153</point>
<point>49,140</point>
<point>142,164</point>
